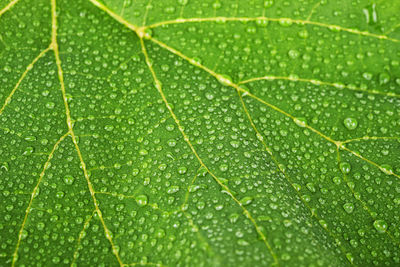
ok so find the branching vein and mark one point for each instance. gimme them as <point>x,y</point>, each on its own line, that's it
<point>54,46</point>
<point>33,194</point>
<point>187,140</point>
<point>28,68</point>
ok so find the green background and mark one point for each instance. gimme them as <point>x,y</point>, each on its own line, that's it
<point>199,133</point>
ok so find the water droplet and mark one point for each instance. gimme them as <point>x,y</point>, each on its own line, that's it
<point>170,127</point>
<point>68,179</point>
<point>30,138</point>
<point>268,3</point>
<point>223,167</point>
<point>348,207</point>
<point>50,105</point>
<point>224,80</point>
<point>147,33</point>
<point>24,234</point>
<point>384,78</point>
<point>262,22</point>
<point>135,172</point>
<point>350,123</point>
<point>371,16</point>
<point>380,225</point>
<point>216,5</point>
<point>242,242</point>
<point>173,189</point>
<point>337,180</point>
<point>40,226</point>
<point>28,151</point>
<point>297,187</point>
<point>143,152</point>
<point>171,142</point>
<point>300,122</point>
<point>350,257</point>
<point>311,187</point>
<point>141,200</point>
<point>345,167</point>
<point>160,233</point>
<point>109,128</point>
<point>182,170</point>
<point>285,22</point>
<point>293,54</point>
<point>246,201</point>
<point>4,166</point>
<point>303,34</point>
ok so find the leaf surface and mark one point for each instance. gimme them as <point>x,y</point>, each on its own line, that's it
<point>199,133</point>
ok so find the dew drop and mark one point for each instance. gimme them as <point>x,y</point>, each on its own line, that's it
<point>336,180</point>
<point>384,78</point>
<point>225,80</point>
<point>4,166</point>
<point>173,189</point>
<point>143,152</point>
<point>350,257</point>
<point>380,225</point>
<point>370,14</point>
<point>262,22</point>
<point>311,187</point>
<point>246,201</point>
<point>303,34</point>
<point>182,170</point>
<point>223,167</point>
<point>142,200</point>
<point>68,179</point>
<point>135,172</point>
<point>350,123</point>
<point>50,105</point>
<point>300,122</point>
<point>293,54</point>
<point>268,3</point>
<point>345,167</point>
<point>30,138</point>
<point>285,22</point>
<point>348,207</point>
<point>387,169</point>
<point>28,151</point>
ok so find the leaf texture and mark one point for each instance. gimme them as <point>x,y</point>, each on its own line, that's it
<point>199,133</point>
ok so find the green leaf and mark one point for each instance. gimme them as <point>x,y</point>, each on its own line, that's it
<point>199,133</point>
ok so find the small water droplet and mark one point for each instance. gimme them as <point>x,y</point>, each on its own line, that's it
<point>384,78</point>
<point>182,170</point>
<point>143,152</point>
<point>285,22</point>
<point>225,80</point>
<point>268,3</point>
<point>348,207</point>
<point>173,189</point>
<point>246,201</point>
<point>142,200</point>
<point>345,167</point>
<point>350,123</point>
<point>380,225</point>
<point>371,16</point>
<point>69,179</point>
